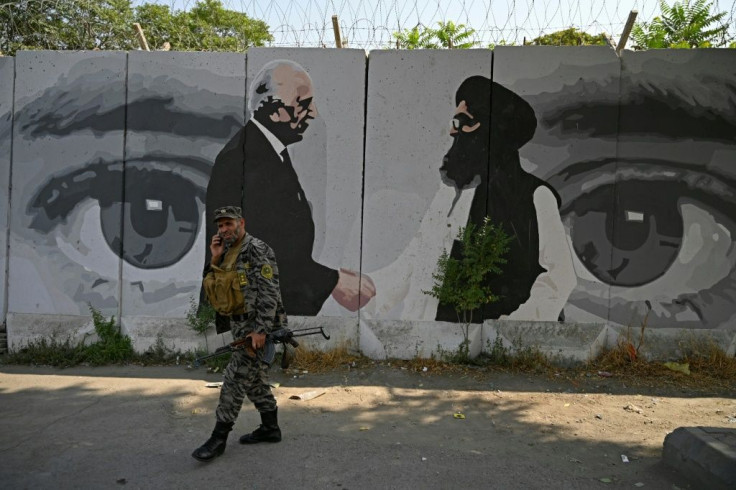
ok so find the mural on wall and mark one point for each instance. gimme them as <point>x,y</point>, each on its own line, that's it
<point>68,149</point>
<point>286,131</point>
<point>182,108</point>
<point>93,188</point>
<point>7,72</point>
<point>672,230</point>
<point>106,190</point>
<point>641,152</point>
<point>614,176</point>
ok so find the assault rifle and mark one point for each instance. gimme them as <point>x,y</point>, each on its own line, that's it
<point>268,353</point>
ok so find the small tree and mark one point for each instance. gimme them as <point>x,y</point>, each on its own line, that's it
<point>570,37</point>
<point>454,36</point>
<point>502,42</point>
<point>448,36</point>
<point>211,27</point>
<point>683,25</point>
<point>463,282</point>
<point>415,38</point>
<point>200,317</point>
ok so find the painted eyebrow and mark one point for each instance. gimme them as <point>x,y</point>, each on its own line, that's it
<point>677,117</point>
<point>55,113</point>
<point>139,118</point>
<point>717,189</point>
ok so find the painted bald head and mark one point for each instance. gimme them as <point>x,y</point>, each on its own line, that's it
<point>281,98</point>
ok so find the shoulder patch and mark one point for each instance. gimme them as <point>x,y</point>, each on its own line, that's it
<point>267,271</point>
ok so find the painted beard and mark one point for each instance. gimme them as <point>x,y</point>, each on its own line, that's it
<point>466,161</point>
<point>282,130</point>
<point>301,126</point>
<point>288,134</point>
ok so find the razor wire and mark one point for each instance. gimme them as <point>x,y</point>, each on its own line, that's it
<point>370,24</point>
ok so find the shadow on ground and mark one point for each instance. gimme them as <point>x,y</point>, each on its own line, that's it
<point>379,427</point>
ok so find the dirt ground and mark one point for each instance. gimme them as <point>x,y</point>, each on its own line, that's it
<point>375,426</point>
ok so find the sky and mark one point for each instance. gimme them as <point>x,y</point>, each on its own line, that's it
<point>369,23</point>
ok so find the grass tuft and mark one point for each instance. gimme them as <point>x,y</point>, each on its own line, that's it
<point>315,361</point>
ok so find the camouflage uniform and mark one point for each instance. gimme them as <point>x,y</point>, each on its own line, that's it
<point>264,311</point>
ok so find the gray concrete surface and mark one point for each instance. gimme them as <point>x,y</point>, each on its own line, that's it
<point>706,455</point>
<point>565,343</point>
<point>380,427</point>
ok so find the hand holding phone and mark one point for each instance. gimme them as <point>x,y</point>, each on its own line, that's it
<point>217,245</point>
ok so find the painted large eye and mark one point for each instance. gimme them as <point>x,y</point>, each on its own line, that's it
<point>160,218</point>
<point>629,233</point>
<point>652,231</point>
<point>160,211</point>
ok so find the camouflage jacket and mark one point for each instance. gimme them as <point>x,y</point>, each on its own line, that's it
<point>264,309</point>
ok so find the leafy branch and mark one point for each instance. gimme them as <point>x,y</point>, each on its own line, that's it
<point>683,25</point>
<point>462,282</point>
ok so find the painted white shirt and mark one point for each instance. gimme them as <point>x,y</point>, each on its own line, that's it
<point>278,146</point>
<point>400,286</point>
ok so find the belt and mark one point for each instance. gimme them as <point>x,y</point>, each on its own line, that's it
<point>238,318</point>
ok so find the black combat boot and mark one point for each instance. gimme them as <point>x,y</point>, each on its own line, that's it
<point>215,445</point>
<point>268,431</point>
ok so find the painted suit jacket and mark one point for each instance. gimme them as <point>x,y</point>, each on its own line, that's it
<point>250,172</point>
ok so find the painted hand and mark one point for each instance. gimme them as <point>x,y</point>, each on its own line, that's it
<point>353,290</point>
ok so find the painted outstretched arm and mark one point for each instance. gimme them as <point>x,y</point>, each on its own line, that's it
<point>551,289</point>
<point>401,285</point>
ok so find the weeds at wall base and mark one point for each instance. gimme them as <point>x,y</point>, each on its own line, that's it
<point>712,369</point>
<point>111,347</point>
<point>320,362</point>
<point>708,362</point>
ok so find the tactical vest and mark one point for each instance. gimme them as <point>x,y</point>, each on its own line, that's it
<point>224,284</point>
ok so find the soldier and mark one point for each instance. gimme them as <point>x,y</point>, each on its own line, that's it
<point>242,283</point>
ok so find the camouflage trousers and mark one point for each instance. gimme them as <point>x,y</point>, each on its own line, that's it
<point>244,376</point>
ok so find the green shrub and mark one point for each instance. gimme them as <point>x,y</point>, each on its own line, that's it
<point>111,347</point>
<point>463,282</point>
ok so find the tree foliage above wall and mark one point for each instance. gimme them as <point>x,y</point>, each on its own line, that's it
<point>448,35</point>
<point>108,25</point>
<point>687,24</point>
<point>570,37</point>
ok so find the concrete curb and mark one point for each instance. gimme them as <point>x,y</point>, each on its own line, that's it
<point>705,455</point>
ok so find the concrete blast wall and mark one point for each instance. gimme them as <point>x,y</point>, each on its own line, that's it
<point>615,178</point>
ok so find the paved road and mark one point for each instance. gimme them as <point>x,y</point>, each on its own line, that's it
<point>382,428</point>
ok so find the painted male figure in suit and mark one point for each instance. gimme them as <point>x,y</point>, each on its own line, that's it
<point>255,169</point>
